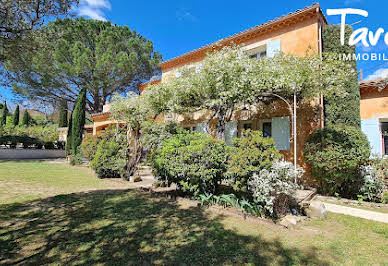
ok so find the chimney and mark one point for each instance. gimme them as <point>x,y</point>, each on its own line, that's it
<point>361,75</point>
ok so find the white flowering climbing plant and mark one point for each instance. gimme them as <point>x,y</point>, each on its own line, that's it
<point>229,78</point>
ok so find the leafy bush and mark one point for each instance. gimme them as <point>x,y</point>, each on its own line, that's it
<point>40,134</point>
<point>76,159</point>
<point>153,134</point>
<point>372,186</point>
<point>109,160</point>
<point>335,155</point>
<point>249,154</point>
<point>13,141</point>
<point>385,198</point>
<point>89,146</point>
<point>381,165</point>
<point>274,189</point>
<point>49,145</point>
<point>195,162</point>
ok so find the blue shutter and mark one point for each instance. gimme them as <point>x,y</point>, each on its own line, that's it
<point>202,128</point>
<point>230,131</point>
<point>281,132</point>
<point>273,48</point>
<point>371,128</point>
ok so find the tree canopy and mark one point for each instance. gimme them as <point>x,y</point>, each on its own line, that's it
<point>228,79</point>
<point>83,53</point>
<point>19,18</point>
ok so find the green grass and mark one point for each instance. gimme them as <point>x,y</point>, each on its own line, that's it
<point>28,180</point>
<point>64,225</point>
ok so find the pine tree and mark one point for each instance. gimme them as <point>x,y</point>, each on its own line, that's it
<point>25,118</point>
<point>4,114</point>
<point>16,115</point>
<point>78,121</point>
<point>69,135</point>
<point>62,114</point>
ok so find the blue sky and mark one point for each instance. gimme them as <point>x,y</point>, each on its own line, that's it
<point>178,26</point>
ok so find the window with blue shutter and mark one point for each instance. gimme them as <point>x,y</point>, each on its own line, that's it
<point>273,48</point>
<point>281,132</point>
<point>371,128</point>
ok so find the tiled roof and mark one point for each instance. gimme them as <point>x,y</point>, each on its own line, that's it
<point>377,83</point>
<point>314,6</point>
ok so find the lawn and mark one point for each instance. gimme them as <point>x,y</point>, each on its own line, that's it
<point>56,214</point>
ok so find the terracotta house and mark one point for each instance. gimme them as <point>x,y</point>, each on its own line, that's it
<point>374,114</point>
<point>295,33</point>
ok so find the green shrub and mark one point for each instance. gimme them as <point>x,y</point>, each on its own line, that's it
<point>385,198</point>
<point>372,185</point>
<point>89,146</point>
<point>13,141</point>
<point>195,162</point>
<point>335,155</point>
<point>109,160</point>
<point>49,145</point>
<point>381,165</point>
<point>249,154</point>
<point>76,159</point>
<point>153,134</point>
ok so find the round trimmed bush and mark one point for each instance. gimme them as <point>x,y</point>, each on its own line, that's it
<point>195,162</point>
<point>250,154</point>
<point>335,155</point>
<point>109,160</point>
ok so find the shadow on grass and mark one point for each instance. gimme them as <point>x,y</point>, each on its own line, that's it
<point>129,227</point>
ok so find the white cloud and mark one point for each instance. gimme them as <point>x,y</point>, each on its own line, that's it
<point>93,9</point>
<point>379,74</point>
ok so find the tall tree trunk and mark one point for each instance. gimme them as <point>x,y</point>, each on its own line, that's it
<point>220,126</point>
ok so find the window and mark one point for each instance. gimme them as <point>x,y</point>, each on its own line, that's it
<point>190,128</point>
<point>267,129</point>
<point>384,130</point>
<point>247,126</point>
<point>259,55</point>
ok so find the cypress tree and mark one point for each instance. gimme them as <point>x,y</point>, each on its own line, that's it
<point>69,135</point>
<point>25,118</point>
<point>4,114</point>
<point>16,115</point>
<point>62,114</point>
<point>342,111</point>
<point>78,120</point>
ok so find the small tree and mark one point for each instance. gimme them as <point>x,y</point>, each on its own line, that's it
<point>133,110</point>
<point>69,135</point>
<point>16,115</point>
<point>78,121</point>
<point>62,114</point>
<point>26,118</point>
<point>4,114</point>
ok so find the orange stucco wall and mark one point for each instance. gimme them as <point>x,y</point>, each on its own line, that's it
<point>374,103</point>
<point>295,39</point>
